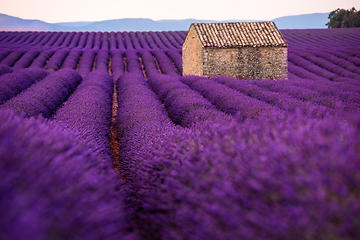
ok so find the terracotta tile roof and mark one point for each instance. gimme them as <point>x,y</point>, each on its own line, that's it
<point>239,34</point>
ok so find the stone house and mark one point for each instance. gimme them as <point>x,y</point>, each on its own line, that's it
<point>243,50</point>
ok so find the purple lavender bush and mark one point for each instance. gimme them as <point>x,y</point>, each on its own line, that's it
<point>88,112</point>
<point>140,118</point>
<point>184,105</point>
<point>5,69</point>
<point>165,64</point>
<point>86,63</point>
<point>11,84</point>
<point>117,64</point>
<point>72,60</point>
<point>43,58</point>
<point>227,99</point>
<point>45,96</point>
<point>57,60</point>
<point>53,187</point>
<point>11,59</point>
<point>102,60</point>
<point>279,177</point>
<point>27,59</point>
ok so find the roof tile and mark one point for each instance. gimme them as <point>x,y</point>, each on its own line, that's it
<point>239,34</point>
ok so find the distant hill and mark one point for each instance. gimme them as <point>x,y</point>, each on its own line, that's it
<point>9,23</point>
<point>314,20</point>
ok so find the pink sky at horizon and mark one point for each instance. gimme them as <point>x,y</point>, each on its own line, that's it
<point>90,10</point>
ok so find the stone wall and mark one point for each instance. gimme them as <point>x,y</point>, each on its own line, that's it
<point>192,54</point>
<point>246,63</point>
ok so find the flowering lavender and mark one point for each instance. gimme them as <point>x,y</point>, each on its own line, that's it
<point>53,187</point>
<point>117,64</point>
<point>75,40</point>
<point>120,41</point>
<point>184,105</point>
<point>42,59</point>
<point>57,59</point>
<point>11,84</point>
<point>11,59</point>
<point>112,41</point>
<point>165,64</point>
<point>172,40</point>
<point>89,41</point>
<point>72,60</point>
<point>283,177</point>
<point>150,41</point>
<point>149,63</point>
<point>158,41</point>
<point>105,41</point>
<point>102,60</point>
<point>227,99</point>
<point>31,38</point>
<point>82,40</point>
<point>53,39</point>
<point>165,40</point>
<point>45,96</point>
<point>127,41</point>
<point>135,41</point>
<point>61,39</point>
<point>88,111</point>
<point>176,57</point>
<point>86,63</point>
<point>45,39</point>
<point>142,41</point>
<point>4,53</point>
<point>5,69</point>
<point>37,40</point>
<point>336,105</point>
<point>132,62</point>
<point>278,99</point>
<point>27,59</point>
<point>140,118</point>
<point>97,41</point>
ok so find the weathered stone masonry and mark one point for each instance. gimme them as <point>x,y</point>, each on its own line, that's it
<point>260,53</point>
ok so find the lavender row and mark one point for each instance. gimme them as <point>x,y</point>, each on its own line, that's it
<point>57,60</point>
<point>132,62</point>
<point>165,64</point>
<point>47,171</point>
<point>86,63</point>
<point>335,104</point>
<point>277,99</point>
<point>276,177</point>
<point>149,63</point>
<point>27,59</point>
<point>45,96</point>
<point>43,58</point>
<point>227,99</point>
<point>184,105</point>
<point>11,84</point>
<point>4,53</point>
<point>5,69</point>
<point>141,122</point>
<point>102,59</point>
<point>117,64</point>
<point>12,57</point>
<point>72,60</point>
<point>176,58</point>
<point>323,63</point>
<point>88,112</point>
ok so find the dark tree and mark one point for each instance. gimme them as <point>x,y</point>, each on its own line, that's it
<point>341,18</point>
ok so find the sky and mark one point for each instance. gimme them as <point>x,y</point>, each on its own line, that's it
<point>53,11</point>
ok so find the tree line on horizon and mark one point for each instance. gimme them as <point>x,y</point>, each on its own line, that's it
<point>342,18</point>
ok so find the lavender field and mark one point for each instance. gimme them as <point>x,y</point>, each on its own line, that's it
<point>101,137</point>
